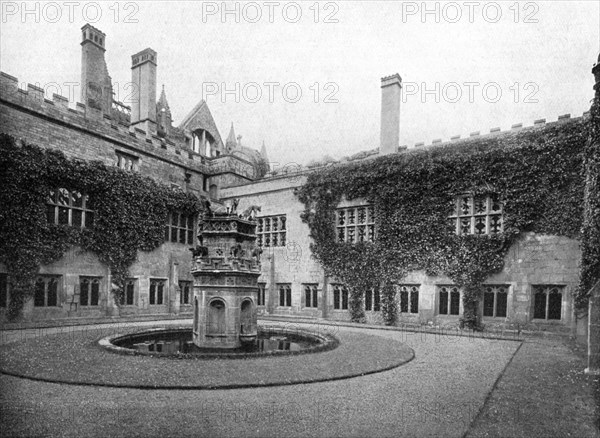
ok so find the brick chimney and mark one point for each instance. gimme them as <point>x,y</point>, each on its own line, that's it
<point>143,101</point>
<point>390,114</point>
<point>96,85</point>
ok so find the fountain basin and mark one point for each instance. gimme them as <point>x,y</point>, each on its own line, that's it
<point>178,343</point>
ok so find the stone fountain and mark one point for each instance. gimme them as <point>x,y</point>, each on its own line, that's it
<point>226,268</point>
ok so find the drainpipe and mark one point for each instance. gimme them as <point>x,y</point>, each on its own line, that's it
<point>324,307</point>
<point>272,291</point>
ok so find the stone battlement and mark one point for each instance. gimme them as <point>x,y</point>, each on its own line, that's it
<point>85,118</point>
<point>537,124</point>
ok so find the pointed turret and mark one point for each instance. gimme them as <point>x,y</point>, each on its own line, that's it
<point>263,152</point>
<point>231,142</point>
<point>163,114</point>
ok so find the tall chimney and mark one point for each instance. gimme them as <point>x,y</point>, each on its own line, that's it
<point>96,85</point>
<point>143,78</point>
<point>390,114</point>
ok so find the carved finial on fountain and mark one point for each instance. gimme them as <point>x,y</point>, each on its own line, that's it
<point>250,212</point>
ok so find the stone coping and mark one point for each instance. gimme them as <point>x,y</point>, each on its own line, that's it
<point>325,342</point>
<point>75,358</point>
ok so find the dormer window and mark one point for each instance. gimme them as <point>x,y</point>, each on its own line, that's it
<point>478,215</point>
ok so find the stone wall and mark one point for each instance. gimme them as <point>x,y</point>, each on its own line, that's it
<point>534,260</point>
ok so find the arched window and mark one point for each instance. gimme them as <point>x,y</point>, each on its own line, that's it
<point>216,318</point>
<point>202,143</point>
<point>246,325</point>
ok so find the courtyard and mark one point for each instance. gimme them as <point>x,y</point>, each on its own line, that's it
<point>453,386</point>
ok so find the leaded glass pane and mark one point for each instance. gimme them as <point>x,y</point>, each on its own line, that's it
<point>282,222</point>
<point>63,196</point>
<point>341,217</point>
<point>495,203</point>
<point>371,233</point>
<point>63,215</point>
<point>259,228</point>
<point>77,199</point>
<point>454,302</point>
<point>414,300</point>
<point>39,298</point>
<point>480,205</point>
<point>362,215</point>
<point>404,300</point>
<point>341,234</point>
<point>267,224</point>
<point>488,302</point>
<point>274,242</point>
<point>362,233</point>
<point>368,300</point>
<point>77,216</point>
<point>465,225</point>
<point>465,206</point>
<point>351,235</point>
<point>443,310</point>
<point>282,239</point>
<point>480,225</point>
<point>495,224</point>
<point>53,292</point>
<point>275,225</point>
<point>539,304</point>
<point>554,304</point>
<point>501,302</point>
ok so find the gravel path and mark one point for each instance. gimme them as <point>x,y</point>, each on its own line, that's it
<point>437,394</point>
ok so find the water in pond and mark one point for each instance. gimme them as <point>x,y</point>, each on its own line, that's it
<point>176,342</point>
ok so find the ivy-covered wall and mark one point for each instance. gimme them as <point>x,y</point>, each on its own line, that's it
<point>130,213</point>
<point>538,173</point>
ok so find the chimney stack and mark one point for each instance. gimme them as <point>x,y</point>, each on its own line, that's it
<point>96,85</point>
<point>390,114</point>
<point>143,78</point>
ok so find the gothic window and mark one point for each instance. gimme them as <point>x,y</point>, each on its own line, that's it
<point>285,294</point>
<point>185,290</point>
<point>311,298</point>
<point>261,293</point>
<point>547,302</point>
<point>409,299</point>
<point>157,291</point>
<point>3,290</point>
<point>127,162</point>
<point>89,291</point>
<point>180,228</point>
<point>373,300</point>
<point>128,297</point>
<point>355,224</point>
<point>340,297</point>
<point>271,231</point>
<point>479,215</point>
<point>46,291</point>
<point>495,301</point>
<point>69,207</point>
<point>203,142</point>
<point>449,300</point>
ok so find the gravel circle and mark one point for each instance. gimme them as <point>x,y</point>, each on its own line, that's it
<point>76,358</point>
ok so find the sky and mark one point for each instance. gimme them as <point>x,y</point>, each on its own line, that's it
<point>304,77</point>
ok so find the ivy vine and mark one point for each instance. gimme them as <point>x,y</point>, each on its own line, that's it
<point>130,213</point>
<point>590,245</point>
<point>538,174</point>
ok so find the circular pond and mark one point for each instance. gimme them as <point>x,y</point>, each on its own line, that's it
<point>177,342</point>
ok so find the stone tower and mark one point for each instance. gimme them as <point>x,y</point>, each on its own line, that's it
<point>96,85</point>
<point>226,268</point>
